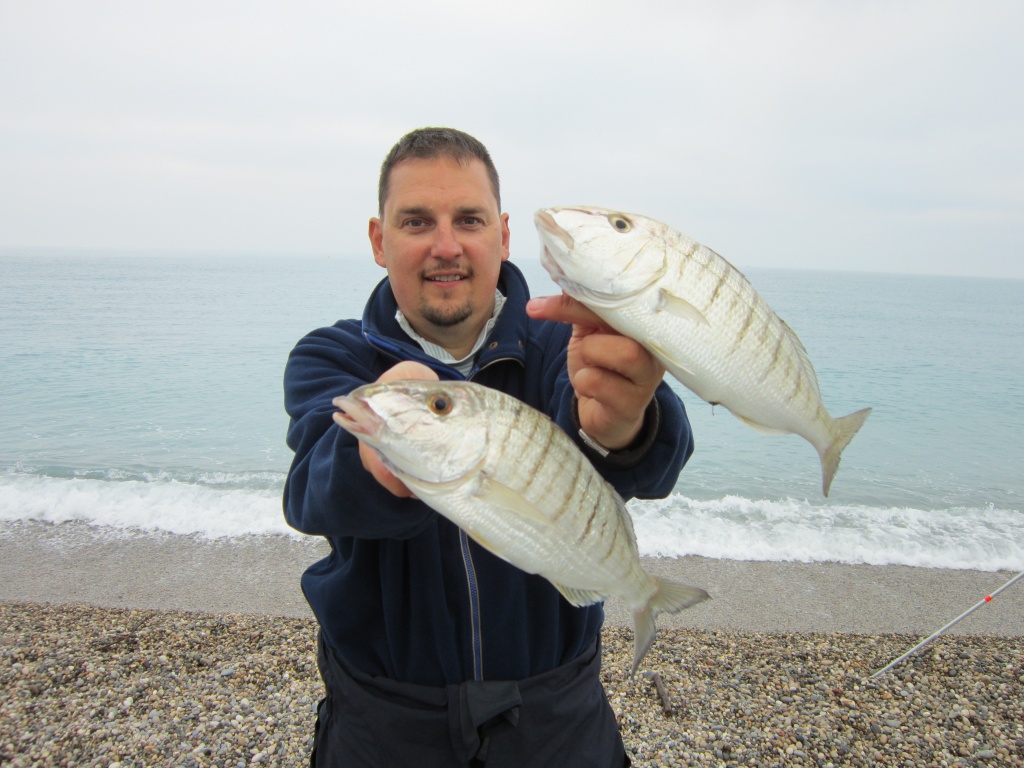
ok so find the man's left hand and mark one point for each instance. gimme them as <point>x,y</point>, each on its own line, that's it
<point>613,376</point>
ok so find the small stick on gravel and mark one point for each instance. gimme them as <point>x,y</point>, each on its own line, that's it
<point>105,642</point>
<point>656,679</point>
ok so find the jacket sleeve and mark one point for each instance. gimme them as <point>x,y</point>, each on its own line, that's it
<point>328,492</point>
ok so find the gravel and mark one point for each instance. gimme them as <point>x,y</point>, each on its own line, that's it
<point>87,686</point>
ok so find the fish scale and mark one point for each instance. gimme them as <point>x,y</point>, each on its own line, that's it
<point>517,485</point>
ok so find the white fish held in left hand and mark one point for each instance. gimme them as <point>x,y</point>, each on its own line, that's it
<point>699,316</point>
<point>518,485</point>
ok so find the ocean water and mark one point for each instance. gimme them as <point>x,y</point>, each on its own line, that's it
<point>142,393</point>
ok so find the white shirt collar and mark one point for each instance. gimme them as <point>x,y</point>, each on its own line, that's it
<point>465,365</point>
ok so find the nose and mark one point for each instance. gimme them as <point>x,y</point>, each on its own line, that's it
<point>446,243</point>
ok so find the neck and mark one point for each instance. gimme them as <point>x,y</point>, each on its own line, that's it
<point>460,340</point>
<point>457,340</point>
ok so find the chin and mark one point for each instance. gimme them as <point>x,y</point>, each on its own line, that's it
<point>447,316</point>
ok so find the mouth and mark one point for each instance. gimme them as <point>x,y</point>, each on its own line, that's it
<point>448,276</point>
<point>355,416</point>
<point>547,226</point>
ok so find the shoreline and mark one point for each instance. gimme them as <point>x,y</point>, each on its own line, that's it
<point>74,563</point>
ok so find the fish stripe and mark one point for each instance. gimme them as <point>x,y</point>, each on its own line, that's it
<point>612,544</point>
<point>593,512</point>
<point>568,497</point>
<point>542,460</point>
<point>714,293</point>
<point>746,327</point>
<point>775,358</point>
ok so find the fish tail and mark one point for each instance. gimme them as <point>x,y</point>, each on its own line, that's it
<point>670,597</point>
<point>844,429</point>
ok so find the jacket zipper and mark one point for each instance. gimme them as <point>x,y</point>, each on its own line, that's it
<point>467,562</point>
<point>467,555</point>
<point>474,606</point>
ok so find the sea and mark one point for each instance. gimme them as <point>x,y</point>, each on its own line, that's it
<point>140,394</point>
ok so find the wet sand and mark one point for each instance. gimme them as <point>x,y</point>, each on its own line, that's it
<point>70,563</point>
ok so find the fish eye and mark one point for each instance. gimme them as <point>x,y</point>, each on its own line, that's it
<point>621,223</point>
<point>440,404</point>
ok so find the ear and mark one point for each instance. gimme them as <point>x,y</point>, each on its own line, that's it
<point>376,233</point>
<point>506,236</point>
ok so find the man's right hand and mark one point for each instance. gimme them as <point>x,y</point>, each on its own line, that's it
<point>371,460</point>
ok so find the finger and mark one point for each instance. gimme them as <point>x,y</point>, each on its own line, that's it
<point>408,369</point>
<point>383,475</point>
<point>621,355</point>
<point>563,309</point>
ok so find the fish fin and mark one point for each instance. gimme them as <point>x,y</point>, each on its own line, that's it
<point>844,429</point>
<point>500,495</point>
<point>580,597</point>
<point>762,428</point>
<point>802,355</point>
<point>644,630</point>
<point>678,369</point>
<point>680,307</point>
<point>670,597</point>
<point>789,332</point>
<point>487,545</point>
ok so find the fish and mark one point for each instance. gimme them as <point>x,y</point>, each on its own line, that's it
<point>518,485</point>
<point>699,316</point>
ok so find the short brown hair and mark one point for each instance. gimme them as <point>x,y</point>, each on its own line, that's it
<point>429,143</point>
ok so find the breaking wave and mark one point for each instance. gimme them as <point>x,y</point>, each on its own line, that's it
<point>736,528</point>
<point>217,505</point>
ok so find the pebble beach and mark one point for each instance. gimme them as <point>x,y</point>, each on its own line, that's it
<point>118,685</point>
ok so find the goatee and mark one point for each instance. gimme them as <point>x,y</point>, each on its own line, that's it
<point>446,317</point>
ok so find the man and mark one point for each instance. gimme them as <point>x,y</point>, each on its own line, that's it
<point>433,651</point>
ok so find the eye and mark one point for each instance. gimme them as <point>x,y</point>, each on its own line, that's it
<point>621,223</point>
<point>440,404</point>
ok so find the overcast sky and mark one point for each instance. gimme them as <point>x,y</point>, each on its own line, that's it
<point>879,136</point>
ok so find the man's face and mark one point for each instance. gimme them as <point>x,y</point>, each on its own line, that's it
<point>442,240</point>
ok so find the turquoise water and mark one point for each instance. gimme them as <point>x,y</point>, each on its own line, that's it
<point>143,391</point>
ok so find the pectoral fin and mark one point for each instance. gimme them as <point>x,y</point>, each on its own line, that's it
<point>679,307</point>
<point>488,546</point>
<point>677,369</point>
<point>490,491</point>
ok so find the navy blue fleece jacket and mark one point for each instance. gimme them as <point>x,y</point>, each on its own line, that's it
<point>404,593</point>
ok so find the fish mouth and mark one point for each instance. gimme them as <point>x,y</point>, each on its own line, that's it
<point>551,265</point>
<point>356,416</point>
<point>546,223</point>
<point>571,287</point>
<point>548,228</point>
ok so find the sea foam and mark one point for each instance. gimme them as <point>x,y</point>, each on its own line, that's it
<point>213,508</point>
<point>737,528</point>
<point>225,505</point>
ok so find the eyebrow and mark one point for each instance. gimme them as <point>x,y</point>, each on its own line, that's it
<point>421,211</point>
